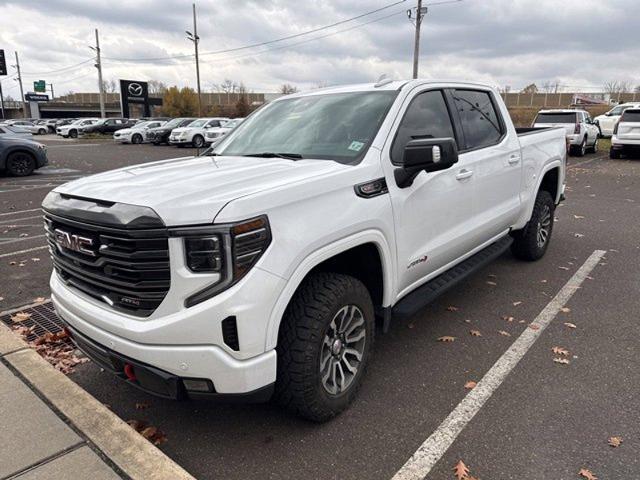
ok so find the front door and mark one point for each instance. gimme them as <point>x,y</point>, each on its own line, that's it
<point>430,215</point>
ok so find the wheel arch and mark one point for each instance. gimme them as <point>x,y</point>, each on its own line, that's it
<point>345,256</point>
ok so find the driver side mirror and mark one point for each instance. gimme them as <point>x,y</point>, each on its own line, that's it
<point>429,155</point>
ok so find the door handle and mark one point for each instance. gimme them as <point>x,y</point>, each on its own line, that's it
<point>464,173</point>
<point>514,159</point>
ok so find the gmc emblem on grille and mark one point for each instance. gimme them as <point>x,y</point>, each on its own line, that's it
<point>74,242</point>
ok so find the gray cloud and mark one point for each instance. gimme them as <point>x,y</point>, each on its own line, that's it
<point>579,42</point>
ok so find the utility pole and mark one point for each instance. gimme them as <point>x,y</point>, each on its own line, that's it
<point>51,87</point>
<point>196,39</point>
<point>24,105</point>
<point>420,13</point>
<point>98,65</point>
<point>2,101</point>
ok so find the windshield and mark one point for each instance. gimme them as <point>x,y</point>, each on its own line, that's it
<point>618,110</point>
<point>556,118</point>
<point>338,126</point>
<point>198,123</point>
<point>143,124</point>
<point>172,123</point>
<point>232,123</point>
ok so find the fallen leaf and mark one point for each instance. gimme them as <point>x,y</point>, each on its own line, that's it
<point>515,304</point>
<point>452,308</point>
<point>12,263</point>
<point>534,326</point>
<point>148,432</point>
<point>20,317</point>
<point>563,268</point>
<point>543,281</point>
<point>584,473</point>
<point>446,338</point>
<point>22,235</point>
<point>35,259</point>
<point>562,361</point>
<point>492,283</point>
<point>570,325</point>
<point>565,310</point>
<point>560,351</point>
<point>142,405</point>
<point>470,385</point>
<point>39,300</point>
<point>461,471</point>
<point>615,441</point>
<point>475,333</point>
<point>579,235</point>
<point>503,333</point>
<point>578,216</point>
<point>508,319</point>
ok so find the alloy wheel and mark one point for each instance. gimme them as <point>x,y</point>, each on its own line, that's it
<point>342,349</point>
<point>544,227</point>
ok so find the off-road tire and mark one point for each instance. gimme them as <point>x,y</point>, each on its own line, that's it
<point>526,244</point>
<point>20,164</point>
<point>305,323</point>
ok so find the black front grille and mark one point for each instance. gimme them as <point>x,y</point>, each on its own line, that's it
<point>127,269</point>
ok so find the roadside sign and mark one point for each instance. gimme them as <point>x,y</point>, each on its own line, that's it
<point>3,63</point>
<point>35,97</point>
<point>39,86</point>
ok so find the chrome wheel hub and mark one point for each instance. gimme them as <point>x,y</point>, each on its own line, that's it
<point>342,349</point>
<point>544,227</point>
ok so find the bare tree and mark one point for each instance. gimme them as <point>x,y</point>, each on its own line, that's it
<point>227,86</point>
<point>109,86</point>
<point>156,87</point>
<point>287,89</point>
<point>532,88</point>
<point>616,86</point>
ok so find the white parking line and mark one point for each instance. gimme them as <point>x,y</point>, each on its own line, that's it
<point>19,211</point>
<point>15,240</point>
<point>13,220</point>
<point>434,447</point>
<point>27,188</point>
<point>20,252</point>
<point>74,146</point>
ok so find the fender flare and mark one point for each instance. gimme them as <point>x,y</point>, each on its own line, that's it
<point>547,168</point>
<point>316,258</point>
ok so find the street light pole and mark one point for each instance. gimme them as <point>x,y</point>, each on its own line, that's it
<point>24,105</point>
<point>420,13</point>
<point>98,65</point>
<point>196,39</point>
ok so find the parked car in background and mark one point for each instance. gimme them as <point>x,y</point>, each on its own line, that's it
<point>65,121</point>
<point>607,121</point>
<point>259,271</point>
<point>136,133</point>
<point>106,126</point>
<point>8,131</point>
<point>215,134</point>
<point>50,123</point>
<point>19,157</point>
<point>27,126</point>
<point>161,134</point>
<point>194,133</point>
<point>72,129</point>
<point>626,134</point>
<point>582,131</point>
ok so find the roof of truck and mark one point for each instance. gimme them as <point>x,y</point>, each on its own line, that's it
<point>562,110</point>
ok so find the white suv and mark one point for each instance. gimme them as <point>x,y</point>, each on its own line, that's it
<point>582,131</point>
<point>194,133</point>
<point>607,121</point>
<point>626,134</point>
<point>214,135</point>
<point>72,129</point>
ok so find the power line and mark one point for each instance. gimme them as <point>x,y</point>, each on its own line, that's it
<point>269,42</point>
<point>70,67</point>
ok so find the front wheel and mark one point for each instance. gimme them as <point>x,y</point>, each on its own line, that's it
<point>324,346</point>
<point>532,241</point>
<point>73,133</point>
<point>198,141</point>
<point>136,139</point>
<point>20,164</point>
<point>594,147</point>
<point>614,154</point>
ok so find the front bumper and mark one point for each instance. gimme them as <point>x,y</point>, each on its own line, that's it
<point>618,143</point>
<point>159,382</point>
<point>575,139</point>
<point>178,140</point>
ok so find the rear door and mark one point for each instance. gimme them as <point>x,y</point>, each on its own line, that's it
<point>493,155</point>
<point>629,127</point>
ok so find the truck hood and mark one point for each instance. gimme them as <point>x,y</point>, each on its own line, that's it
<point>193,190</point>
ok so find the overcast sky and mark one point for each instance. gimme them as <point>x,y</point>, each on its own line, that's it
<point>580,43</point>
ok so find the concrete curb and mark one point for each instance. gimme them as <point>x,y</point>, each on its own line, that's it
<point>126,448</point>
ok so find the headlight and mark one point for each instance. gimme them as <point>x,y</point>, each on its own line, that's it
<point>230,250</point>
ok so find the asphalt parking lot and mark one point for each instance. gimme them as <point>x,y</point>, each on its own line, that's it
<point>545,420</point>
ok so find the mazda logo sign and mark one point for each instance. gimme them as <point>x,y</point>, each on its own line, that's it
<point>135,89</point>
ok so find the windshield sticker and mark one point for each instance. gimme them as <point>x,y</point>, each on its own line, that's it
<point>356,146</point>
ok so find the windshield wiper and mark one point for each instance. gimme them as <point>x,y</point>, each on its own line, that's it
<point>288,156</point>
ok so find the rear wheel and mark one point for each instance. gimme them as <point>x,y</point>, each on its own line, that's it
<point>73,133</point>
<point>324,346</point>
<point>532,241</point>
<point>42,131</point>
<point>20,164</point>
<point>614,154</point>
<point>198,141</point>
<point>137,138</point>
<point>581,150</point>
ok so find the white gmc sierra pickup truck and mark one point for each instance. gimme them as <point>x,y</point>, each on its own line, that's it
<point>258,269</point>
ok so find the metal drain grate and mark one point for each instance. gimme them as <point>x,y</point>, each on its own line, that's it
<point>43,317</point>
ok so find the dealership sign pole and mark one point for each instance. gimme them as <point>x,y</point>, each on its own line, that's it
<point>3,71</point>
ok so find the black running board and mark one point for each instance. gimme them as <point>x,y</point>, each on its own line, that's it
<point>427,293</point>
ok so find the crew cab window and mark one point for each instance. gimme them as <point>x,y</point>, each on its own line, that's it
<point>478,117</point>
<point>426,117</point>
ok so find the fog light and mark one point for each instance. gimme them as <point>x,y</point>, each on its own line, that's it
<point>197,385</point>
